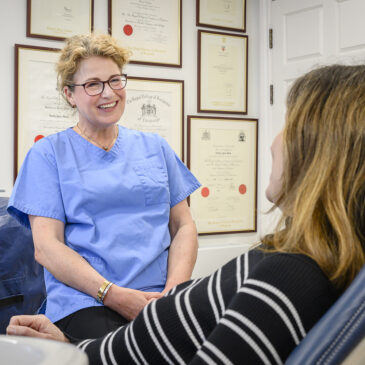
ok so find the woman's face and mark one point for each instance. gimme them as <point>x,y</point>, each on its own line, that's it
<point>100,110</point>
<point>275,183</point>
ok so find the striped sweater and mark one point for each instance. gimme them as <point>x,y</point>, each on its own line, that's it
<point>253,310</point>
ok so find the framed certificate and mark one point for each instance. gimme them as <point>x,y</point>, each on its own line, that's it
<point>150,29</point>
<point>222,72</point>
<point>59,19</point>
<point>222,154</point>
<point>156,105</point>
<point>39,108</point>
<point>221,14</point>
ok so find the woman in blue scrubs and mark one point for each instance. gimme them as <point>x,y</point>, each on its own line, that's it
<point>106,205</point>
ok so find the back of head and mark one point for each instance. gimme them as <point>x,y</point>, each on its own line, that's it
<point>323,192</point>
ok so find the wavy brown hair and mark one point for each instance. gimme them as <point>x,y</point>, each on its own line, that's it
<point>323,193</point>
<point>80,47</point>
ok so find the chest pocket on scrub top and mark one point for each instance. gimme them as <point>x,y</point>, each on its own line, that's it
<point>154,181</point>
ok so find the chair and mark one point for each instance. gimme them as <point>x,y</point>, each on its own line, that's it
<point>339,336</point>
<point>22,288</point>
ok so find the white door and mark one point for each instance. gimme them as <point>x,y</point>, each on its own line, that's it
<point>308,33</point>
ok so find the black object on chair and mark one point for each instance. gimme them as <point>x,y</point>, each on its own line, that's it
<point>22,289</point>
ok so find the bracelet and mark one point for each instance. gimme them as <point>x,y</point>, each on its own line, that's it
<point>103,290</point>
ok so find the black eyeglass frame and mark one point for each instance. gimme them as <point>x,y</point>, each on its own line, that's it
<point>103,82</point>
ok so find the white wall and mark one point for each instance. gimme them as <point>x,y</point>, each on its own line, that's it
<point>215,249</point>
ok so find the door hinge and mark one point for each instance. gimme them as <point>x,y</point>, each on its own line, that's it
<point>271,94</point>
<point>270,38</point>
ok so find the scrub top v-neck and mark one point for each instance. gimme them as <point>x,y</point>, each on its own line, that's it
<point>115,205</point>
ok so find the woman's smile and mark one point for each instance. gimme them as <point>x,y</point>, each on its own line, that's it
<point>109,106</point>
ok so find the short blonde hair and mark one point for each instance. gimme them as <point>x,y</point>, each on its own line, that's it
<point>323,192</point>
<point>80,47</point>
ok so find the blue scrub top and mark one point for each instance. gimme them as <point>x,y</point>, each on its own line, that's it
<point>115,206</point>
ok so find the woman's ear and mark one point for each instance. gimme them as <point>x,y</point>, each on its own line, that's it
<point>69,96</point>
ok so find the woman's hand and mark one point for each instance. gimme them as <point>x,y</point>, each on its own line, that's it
<point>35,326</point>
<point>128,302</point>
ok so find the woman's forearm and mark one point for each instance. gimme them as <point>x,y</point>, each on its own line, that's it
<point>69,267</point>
<point>182,256</point>
<point>184,245</point>
<point>61,261</point>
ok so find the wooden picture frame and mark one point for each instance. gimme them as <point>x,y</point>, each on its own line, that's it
<point>222,154</point>
<point>222,72</point>
<point>152,32</point>
<point>59,19</point>
<point>39,109</point>
<point>220,14</point>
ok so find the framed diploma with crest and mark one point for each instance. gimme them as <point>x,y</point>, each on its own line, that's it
<point>222,72</point>
<point>150,29</point>
<point>59,19</point>
<point>39,108</point>
<point>222,154</point>
<point>156,105</point>
<point>222,14</point>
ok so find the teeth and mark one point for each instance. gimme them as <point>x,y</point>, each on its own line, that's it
<point>105,106</point>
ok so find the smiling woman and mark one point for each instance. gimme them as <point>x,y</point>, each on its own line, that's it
<point>99,105</point>
<point>110,221</point>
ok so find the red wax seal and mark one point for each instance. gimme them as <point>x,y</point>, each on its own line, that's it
<point>242,189</point>
<point>128,29</point>
<point>37,138</point>
<point>205,192</point>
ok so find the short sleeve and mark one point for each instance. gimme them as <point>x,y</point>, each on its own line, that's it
<point>181,181</point>
<point>37,188</point>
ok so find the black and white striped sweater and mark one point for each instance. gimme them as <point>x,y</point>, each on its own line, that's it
<point>253,310</point>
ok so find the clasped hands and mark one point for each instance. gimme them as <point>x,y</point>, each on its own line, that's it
<point>128,302</point>
<point>125,301</point>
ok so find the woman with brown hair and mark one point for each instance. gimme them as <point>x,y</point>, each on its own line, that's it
<point>258,307</point>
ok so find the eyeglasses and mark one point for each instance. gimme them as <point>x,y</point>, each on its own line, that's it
<point>93,88</point>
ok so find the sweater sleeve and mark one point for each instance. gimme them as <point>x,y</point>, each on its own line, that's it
<point>270,314</point>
